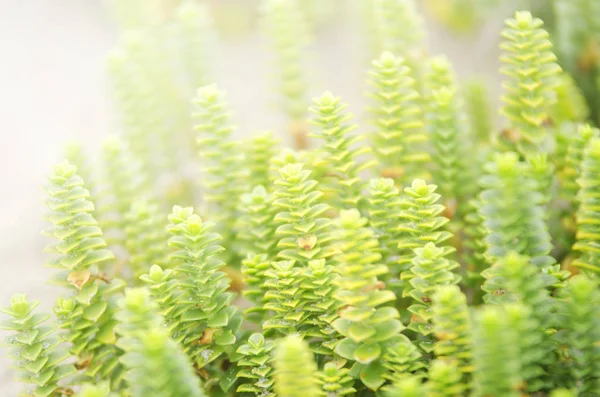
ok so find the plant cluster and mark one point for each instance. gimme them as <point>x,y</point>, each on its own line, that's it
<point>442,258</point>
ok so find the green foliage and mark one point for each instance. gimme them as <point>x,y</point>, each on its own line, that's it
<point>287,28</point>
<point>445,380</point>
<point>155,364</point>
<point>572,171</point>
<point>145,236</point>
<point>511,210</point>
<point>95,391</point>
<point>478,107</point>
<point>35,348</point>
<point>197,40</point>
<point>341,184</point>
<point>587,214</point>
<point>446,124</point>
<point>295,369</point>
<point>256,366</point>
<point>452,328</point>
<point>335,381</point>
<point>259,152</point>
<point>223,163</point>
<point>430,270</point>
<point>579,314</point>
<point>495,355</point>
<point>369,325</point>
<point>79,253</point>
<point>397,119</point>
<point>295,281</point>
<point>124,181</point>
<point>208,322</point>
<point>531,69</point>
<point>304,234</point>
<point>399,27</point>
<point>405,223</point>
<point>256,226</point>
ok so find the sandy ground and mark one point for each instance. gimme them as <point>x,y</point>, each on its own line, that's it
<point>53,88</point>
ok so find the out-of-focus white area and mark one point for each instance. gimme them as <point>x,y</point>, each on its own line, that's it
<point>53,88</point>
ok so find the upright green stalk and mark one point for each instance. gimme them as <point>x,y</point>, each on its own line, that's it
<point>295,370</point>
<point>155,364</point>
<point>208,322</point>
<point>446,125</point>
<point>35,349</point>
<point>197,43</point>
<point>588,235</point>
<point>145,237</point>
<point>287,28</point>
<point>479,110</point>
<point>342,184</point>
<point>370,326</point>
<point>398,137</point>
<point>304,234</point>
<point>430,270</point>
<point>511,210</point>
<point>79,251</point>
<point>496,355</point>
<point>531,68</point>
<point>580,318</point>
<point>224,173</point>
<point>256,366</point>
<point>453,329</point>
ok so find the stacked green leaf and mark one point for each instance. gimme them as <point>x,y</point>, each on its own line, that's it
<point>579,317</point>
<point>474,246</point>
<point>335,380</point>
<point>531,70</point>
<point>516,279</point>
<point>225,176</point>
<point>124,181</point>
<point>304,234</point>
<point>572,171</point>
<point>447,128</point>
<point>445,380</point>
<point>453,329</point>
<point>256,226</point>
<point>512,212</point>
<point>208,322</point>
<point>156,366</point>
<point>163,287</point>
<point>145,237</point>
<point>430,269</point>
<point>287,28</point>
<point>254,271</point>
<point>369,325</point>
<point>588,235</point>
<point>495,354</point>
<point>341,184</point>
<point>35,349</point>
<point>479,110</point>
<point>420,221</point>
<point>295,370</point>
<point>260,149</point>
<point>397,118</point>
<point>80,253</point>
<point>256,366</point>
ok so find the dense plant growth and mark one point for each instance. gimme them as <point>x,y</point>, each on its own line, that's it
<point>427,254</point>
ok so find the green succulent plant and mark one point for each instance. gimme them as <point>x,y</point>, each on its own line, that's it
<point>459,260</point>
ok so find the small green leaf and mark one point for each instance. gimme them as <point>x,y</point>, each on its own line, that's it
<point>367,353</point>
<point>346,349</point>
<point>372,375</point>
